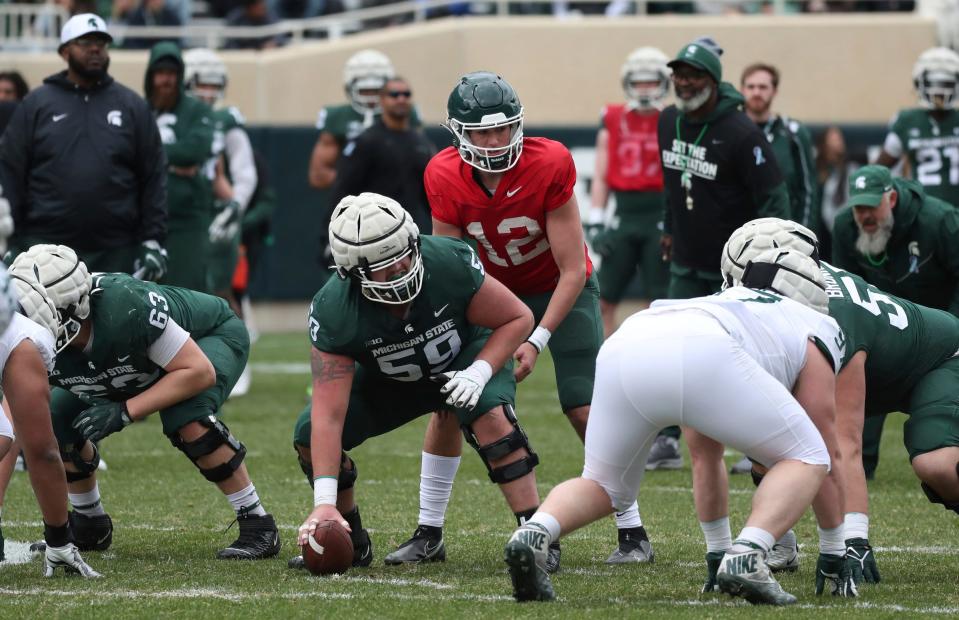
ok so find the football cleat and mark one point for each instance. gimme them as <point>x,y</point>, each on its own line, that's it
<point>68,558</point>
<point>426,545</point>
<point>362,545</point>
<point>784,556</point>
<point>258,539</point>
<point>742,466</point>
<point>525,554</point>
<point>713,560</point>
<point>91,533</point>
<point>834,576</point>
<point>634,547</point>
<point>746,575</point>
<point>664,454</point>
<point>553,555</point>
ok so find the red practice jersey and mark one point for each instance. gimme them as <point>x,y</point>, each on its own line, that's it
<point>510,226</point>
<point>633,150</point>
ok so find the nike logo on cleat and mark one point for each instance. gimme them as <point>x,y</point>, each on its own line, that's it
<point>740,564</point>
<point>536,540</point>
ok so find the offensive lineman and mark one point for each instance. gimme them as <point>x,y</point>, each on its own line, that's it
<point>514,197</point>
<point>125,349</point>
<point>404,313</point>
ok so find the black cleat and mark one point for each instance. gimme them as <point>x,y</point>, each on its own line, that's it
<point>426,545</point>
<point>553,553</point>
<point>258,539</point>
<point>2,556</point>
<point>296,563</point>
<point>362,545</point>
<point>634,547</point>
<point>91,533</point>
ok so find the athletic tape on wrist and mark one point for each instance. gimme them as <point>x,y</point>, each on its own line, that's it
<point>324,491</point>
<point>539,338</point>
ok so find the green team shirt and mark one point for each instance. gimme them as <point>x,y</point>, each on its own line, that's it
<point>932,145</point>
<point>129,315</point>
<point>903,341</point>
<point>423,344</point>
<point>793,148</point>
<point>345,123</point>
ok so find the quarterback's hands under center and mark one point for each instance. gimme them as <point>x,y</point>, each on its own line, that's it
<point>323,512</point>
<point>525,356</point>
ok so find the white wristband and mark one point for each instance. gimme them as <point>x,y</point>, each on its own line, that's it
<point>539,338</point>
<point>856,525</point>
<point>324,490</point>
<point>483,369</point>
<point>596,215</point>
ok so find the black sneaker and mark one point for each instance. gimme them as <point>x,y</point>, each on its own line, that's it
<point>362,545</point>
<point>426,545</point>
<point>258,539</point>
<point>91,533</point>
<point>634,547</point>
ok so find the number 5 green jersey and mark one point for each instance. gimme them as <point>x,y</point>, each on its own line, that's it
<point>903,341</point>
<point>131,332</point>
<point>418,346</point>
<point>932,145</point>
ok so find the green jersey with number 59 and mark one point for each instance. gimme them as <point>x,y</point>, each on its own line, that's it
<point>129,317</point>
<point>425,342</point>
<point>932,144</point>
<point>903,341</point>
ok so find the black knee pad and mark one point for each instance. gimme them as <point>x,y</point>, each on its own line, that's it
<point>346,478</point>
<point>501,447</point>
<point>217,435</point>
<point>757,477</point>
<point>86,468</point>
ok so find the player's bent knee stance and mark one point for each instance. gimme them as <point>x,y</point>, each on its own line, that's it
<point>935,473</point>
<point>515,442</point>
<point>216,434</point>
<point>82,468</point>
<point>346,478</point>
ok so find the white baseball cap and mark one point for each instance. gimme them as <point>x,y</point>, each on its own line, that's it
<point>81,24</point>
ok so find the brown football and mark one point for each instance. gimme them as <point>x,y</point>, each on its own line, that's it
<point>329,550</point>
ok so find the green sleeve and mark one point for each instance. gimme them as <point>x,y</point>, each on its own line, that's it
<point>775,203</point>
<point>260,211</point>
<point>194,132</point>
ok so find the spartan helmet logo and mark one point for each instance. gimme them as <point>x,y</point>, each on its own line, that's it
<point>92,22</point>
<point>408,329</point>
<point>861,183</point>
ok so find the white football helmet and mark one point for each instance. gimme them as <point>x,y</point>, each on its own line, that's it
<point>761,234</point>
<point>366,70</point>
<point>8,300</point>
<point>35,303</point>
<point>371,232</point>
<point>791,274</point>
<point>936,78</point>
<point>6,222</point>
<point>645,64</point>
<point>205,75</point>
<point>66,282</point>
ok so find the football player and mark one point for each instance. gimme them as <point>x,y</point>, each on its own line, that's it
<point>769,353</point>
<point>928,136</point>
<point>900,356</point>
<point>127,348</point>
<point>411,324</point>
<point>513,196</point>
<point>627,162</point>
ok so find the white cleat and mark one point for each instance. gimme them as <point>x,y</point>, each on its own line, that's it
<point>784,556</point>
<point>68,558</point>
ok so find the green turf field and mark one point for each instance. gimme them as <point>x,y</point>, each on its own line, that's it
<point>169,523</point>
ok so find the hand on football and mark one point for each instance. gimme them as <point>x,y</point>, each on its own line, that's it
<point>525,359</point>
<point>323,512</point>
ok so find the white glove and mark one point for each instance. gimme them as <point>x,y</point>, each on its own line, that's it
<point>226,225</point>
<point>68,558</point>
<point>465,386</point>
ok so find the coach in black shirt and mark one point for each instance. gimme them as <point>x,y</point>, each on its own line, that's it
<point>389,157</point>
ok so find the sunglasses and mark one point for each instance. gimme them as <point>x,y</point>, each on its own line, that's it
<point>396,94</point>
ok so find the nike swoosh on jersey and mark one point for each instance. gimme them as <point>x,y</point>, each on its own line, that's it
<point>440,311</point>
<point>59,117</point>
<point>123,359</point>
<point>510,193</point>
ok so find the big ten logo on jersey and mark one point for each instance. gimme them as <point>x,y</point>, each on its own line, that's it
<point>516,250</point>
<point>689,157</point>
<point>439,345</point>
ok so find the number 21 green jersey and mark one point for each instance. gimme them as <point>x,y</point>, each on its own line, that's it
<point>932,145</point>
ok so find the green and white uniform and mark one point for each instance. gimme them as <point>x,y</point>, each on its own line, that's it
<point>344,123</point>
<point>138,327</point>
<point>395,358</point>
<point>224,256</point>
<point>911,364</point>
<point>932,145</point>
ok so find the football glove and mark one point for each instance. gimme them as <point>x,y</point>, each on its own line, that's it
<point>226,225</point>
<point>861,560</point>
<point>151,264</point>
<point>100,421</point>
<point>68,558</point>
<point>465,386</point>
<point>834,576</point>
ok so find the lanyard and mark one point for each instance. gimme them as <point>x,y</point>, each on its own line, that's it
<point>686,178</point>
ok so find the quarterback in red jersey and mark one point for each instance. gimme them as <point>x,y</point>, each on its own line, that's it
<point>514,196</point>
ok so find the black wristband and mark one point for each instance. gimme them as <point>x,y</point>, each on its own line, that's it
<point>57,536</point>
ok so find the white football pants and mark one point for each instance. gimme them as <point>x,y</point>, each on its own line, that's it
<point>683,368</point>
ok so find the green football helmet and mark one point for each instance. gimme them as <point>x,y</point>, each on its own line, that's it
<point>483,100</point>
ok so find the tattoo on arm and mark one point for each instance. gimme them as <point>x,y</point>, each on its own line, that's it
<point>326,370</point>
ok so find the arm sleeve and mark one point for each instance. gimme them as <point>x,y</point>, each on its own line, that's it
<point>194,144</point>
<point>560,187</point>
<point>165,348</point>
<point>441,207</point>
<point>242,166</point>
<point>893,143</point>
<point>152,174</point>
<point>15,155</point>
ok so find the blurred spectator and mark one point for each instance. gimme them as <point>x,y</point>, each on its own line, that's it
<point>833,168</point>
<point>151,13</point>
<point>254,13</point>
<point>12,86</point>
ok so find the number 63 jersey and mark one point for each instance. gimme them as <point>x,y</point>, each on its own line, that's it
<point>903,341</point>
<point>134,323</point>
<point>510,226</point>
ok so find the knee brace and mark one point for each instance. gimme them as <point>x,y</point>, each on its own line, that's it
<point>346,478</point>
<point>217,435</point>
<point>935,498</point>
<point>86,468</point>
<point>501,447</point>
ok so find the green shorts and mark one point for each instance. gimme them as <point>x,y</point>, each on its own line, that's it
<point>634,247</point>
<point>378,406</point>
<point>227,348</point>
<point>574,345</point>
<point>686,283</point>
<point>222,265</point>
<point>934,411</point>
<point>187,252</point>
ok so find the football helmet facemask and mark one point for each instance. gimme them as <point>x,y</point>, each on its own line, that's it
<point>483,101</point>
<point>936,78</point>
<point>66,282</point>
<point>366,70</point>
<point>205,75</point>
<point>791,274</point>
<point>369,233</point>
<point>645,64</point>
<point>758,235</point>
